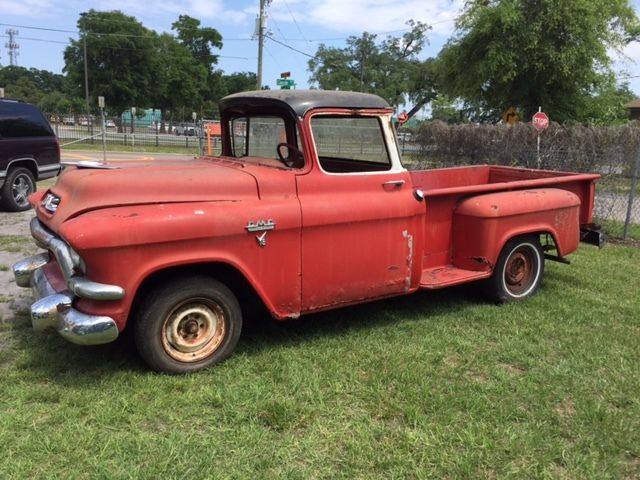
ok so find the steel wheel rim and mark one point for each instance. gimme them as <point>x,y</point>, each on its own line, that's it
<point>194,330</point>
<point>21,189</point>
<point>521,271</point>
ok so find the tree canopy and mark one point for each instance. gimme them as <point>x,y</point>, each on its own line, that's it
<point>531,53</point>
<point>390,69</point>
<point>119,59</point>
<point>131,65</point>
<point>48,90</point>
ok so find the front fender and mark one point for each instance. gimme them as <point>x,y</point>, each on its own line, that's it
<point>126,245</point>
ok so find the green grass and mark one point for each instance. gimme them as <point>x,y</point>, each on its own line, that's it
<point>133,148</point>
<point>434,385</point>
<point>14,244</point>
<point>142,148</point>
<point>615,229</point>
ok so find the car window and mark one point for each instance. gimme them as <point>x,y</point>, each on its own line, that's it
<point>259,137</point>
<point>350,144</point>
<point>21,120</point>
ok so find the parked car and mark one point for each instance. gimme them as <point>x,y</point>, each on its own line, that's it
<point>87,121</point>
<point>187,129</point>
<point>29,152</point>
<point>109,124</point>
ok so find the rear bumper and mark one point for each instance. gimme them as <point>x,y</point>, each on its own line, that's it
<point>53,311</point>
<point>591,234</point>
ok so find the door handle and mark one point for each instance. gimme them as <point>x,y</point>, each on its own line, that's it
<point>393,183</point>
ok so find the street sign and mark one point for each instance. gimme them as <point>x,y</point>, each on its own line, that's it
<point>285,74</point>
<point>285,82</point>
<point>101,101</point>
<point>540,121</point>
<point>510,116</point>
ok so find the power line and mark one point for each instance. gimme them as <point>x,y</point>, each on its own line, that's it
<point>289,47</point>
<point>279,31</point>
<point>44,40</point>
<point>293,18</point>
<point>273,58</point>
<point>76,32</point>
<point>38,40</point>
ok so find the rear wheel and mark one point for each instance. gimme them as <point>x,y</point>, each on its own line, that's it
<point>519,270</point>
<point>18,185</point>
<point>187,325</point>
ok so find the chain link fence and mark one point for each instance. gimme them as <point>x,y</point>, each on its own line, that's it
<point>147,132</point>
<point>613,152</point>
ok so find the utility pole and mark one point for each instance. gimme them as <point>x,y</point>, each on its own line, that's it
<point>12,46</point>
<point>261,28</point>
<point>86,68</point>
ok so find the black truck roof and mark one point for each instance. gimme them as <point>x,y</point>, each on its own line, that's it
<point>299,101</point>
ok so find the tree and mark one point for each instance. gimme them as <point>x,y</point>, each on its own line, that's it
<point>445,110</point>
<point>607,105</point>
<point>390,69</point>
<point>57,102</point>
<point>180,77</point>
<point>530,53</point>
<point>120,59</point>
<point>198,40</point>
<point>239,82</point>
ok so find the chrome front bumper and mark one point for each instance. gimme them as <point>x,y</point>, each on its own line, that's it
<point>53,311</point>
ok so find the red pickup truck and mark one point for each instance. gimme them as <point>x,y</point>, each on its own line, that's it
<point>307,208</point>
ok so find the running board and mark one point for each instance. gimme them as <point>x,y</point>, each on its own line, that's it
<point>440,277</point>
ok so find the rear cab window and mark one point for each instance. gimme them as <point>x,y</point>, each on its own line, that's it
<point>256,139</point>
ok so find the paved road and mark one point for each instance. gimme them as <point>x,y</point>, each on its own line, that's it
<point>96,156</point>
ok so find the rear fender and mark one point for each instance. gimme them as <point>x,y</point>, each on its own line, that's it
<point>483,224</point>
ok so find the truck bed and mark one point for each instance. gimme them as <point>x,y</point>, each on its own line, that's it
<point>444,189</point>
<point>485,178</point>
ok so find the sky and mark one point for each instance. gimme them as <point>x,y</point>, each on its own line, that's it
<point>297,26</point>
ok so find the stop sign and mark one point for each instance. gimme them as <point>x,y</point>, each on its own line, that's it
<point>540,121</point>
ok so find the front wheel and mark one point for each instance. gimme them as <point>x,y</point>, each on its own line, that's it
<point>188,325</point>
<point>519,270</point>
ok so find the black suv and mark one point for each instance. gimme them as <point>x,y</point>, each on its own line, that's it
<point>29,152</point>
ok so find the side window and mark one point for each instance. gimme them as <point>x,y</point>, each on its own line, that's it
<point>350,144</point>
<point>20,120</point>
<point>257,136</point>
<point>239,137</point>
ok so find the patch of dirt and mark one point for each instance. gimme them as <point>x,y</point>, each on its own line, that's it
<point>512,369</point>
<point>566,409</point>
<point>15,223</point>
<point>12,297</point>
<point>629,242</point>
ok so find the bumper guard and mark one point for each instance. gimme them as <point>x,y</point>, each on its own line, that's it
<point>53,310</point>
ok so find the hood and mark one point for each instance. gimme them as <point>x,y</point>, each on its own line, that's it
<point>85,187</point>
